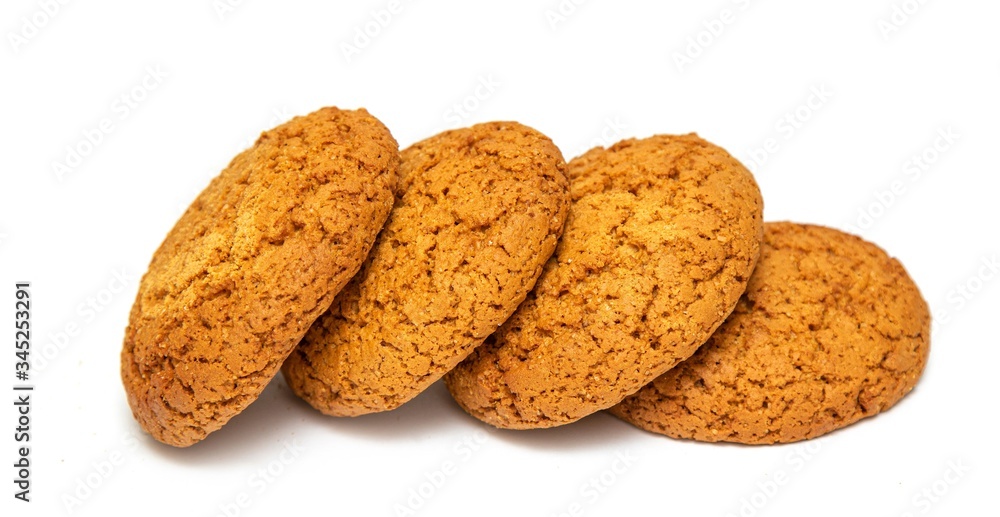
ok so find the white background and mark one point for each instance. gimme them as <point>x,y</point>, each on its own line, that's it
<point>608,70</point>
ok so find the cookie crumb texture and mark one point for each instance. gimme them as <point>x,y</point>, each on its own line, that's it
<point>481,210</point>
<point>831,330</point>
<point>253,261</point>
<point>661,239</point>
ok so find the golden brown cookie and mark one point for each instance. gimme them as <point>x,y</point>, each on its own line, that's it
<point>257,257</point>
<point>831,330</point>
<point>480,211</point>
<point>659,244</point>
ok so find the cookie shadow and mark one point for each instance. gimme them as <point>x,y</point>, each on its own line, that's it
<point>599,430</point>
<point>272,418</point>
<point>277,414</point>
<point>432,411</point>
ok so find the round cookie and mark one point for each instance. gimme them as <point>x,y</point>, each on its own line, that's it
<point>257,257</point>
<point>661,239</point>
<point>830,330</point>
<point>479,212</point>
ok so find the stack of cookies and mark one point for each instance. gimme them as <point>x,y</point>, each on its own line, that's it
<point>639,279</point>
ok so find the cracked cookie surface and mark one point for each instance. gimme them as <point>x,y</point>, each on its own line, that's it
<point>659,244</point>
<point>479,212</point>
<point>253,261</point>
<point>830,330</point>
